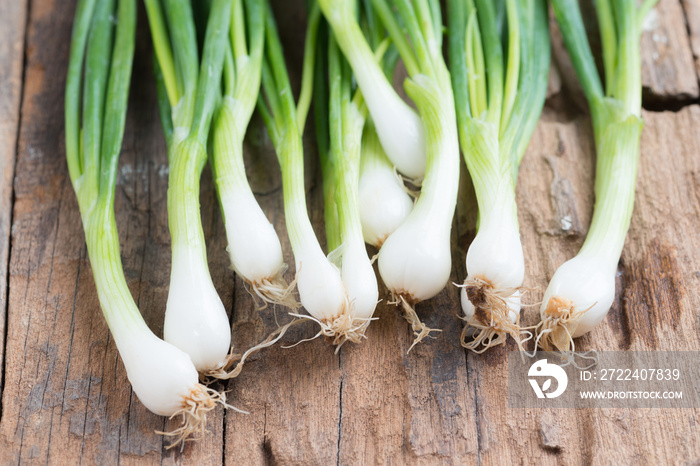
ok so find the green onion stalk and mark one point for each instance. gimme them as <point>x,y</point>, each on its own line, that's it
<point>319,282</point>
<point>500,82</point>
<point>162,376</point>
<point>384,200</point>
<point>340,119</point>
<point>195,318</point>
<point>398,127</point>
<point>582,289</point>
<point>253,245</point>
<point>415,260</point>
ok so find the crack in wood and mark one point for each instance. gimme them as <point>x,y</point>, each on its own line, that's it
<point>223,432</point>
<point>471,374</point>
<point>674,105</point>
<point>621,308</point>
<point>6,226</point>
<point>340,407</point>
<point>268,455</point>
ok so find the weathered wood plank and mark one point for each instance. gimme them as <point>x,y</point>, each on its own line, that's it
<point>68,398</point>
<point>658,291</point>
<point>654,305</point>
<point>668,71</point>
<point>12,29</point>
<point>692,17</point>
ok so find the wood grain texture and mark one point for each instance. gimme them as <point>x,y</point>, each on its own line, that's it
<point>668,71</point>
<point>66,398</point>
<point>692,16</point>
<point>12,27</point>
<point>652,303</point>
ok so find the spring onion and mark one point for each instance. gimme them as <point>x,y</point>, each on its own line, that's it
<point>195,318</point>
<point>340,120</point>
<point>162,376</point>
<point>253,245</point>
<point>497,110</point>
<point>400,130</point>
<point>321,289</point>
<point>582,289</point>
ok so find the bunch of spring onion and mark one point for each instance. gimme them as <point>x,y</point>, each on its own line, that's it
<point>414,261</point>
<point>500,81</point>
<point>340,120</point>
<point>253,246</point>
<point>319,282</point>
<point>583,288</point>
<point>195,318</point>
<point>162,376</point>
<point>399,128</point>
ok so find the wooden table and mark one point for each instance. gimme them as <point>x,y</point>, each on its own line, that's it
<point>65,395</point>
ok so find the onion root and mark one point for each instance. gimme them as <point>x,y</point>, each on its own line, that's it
<point>559,321</point>
<point>274,291</point>
<point>491,317</point>
<point>233,365</point>
<point>195,407</point>
<point>420,330</point>
<point>343,328</point>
